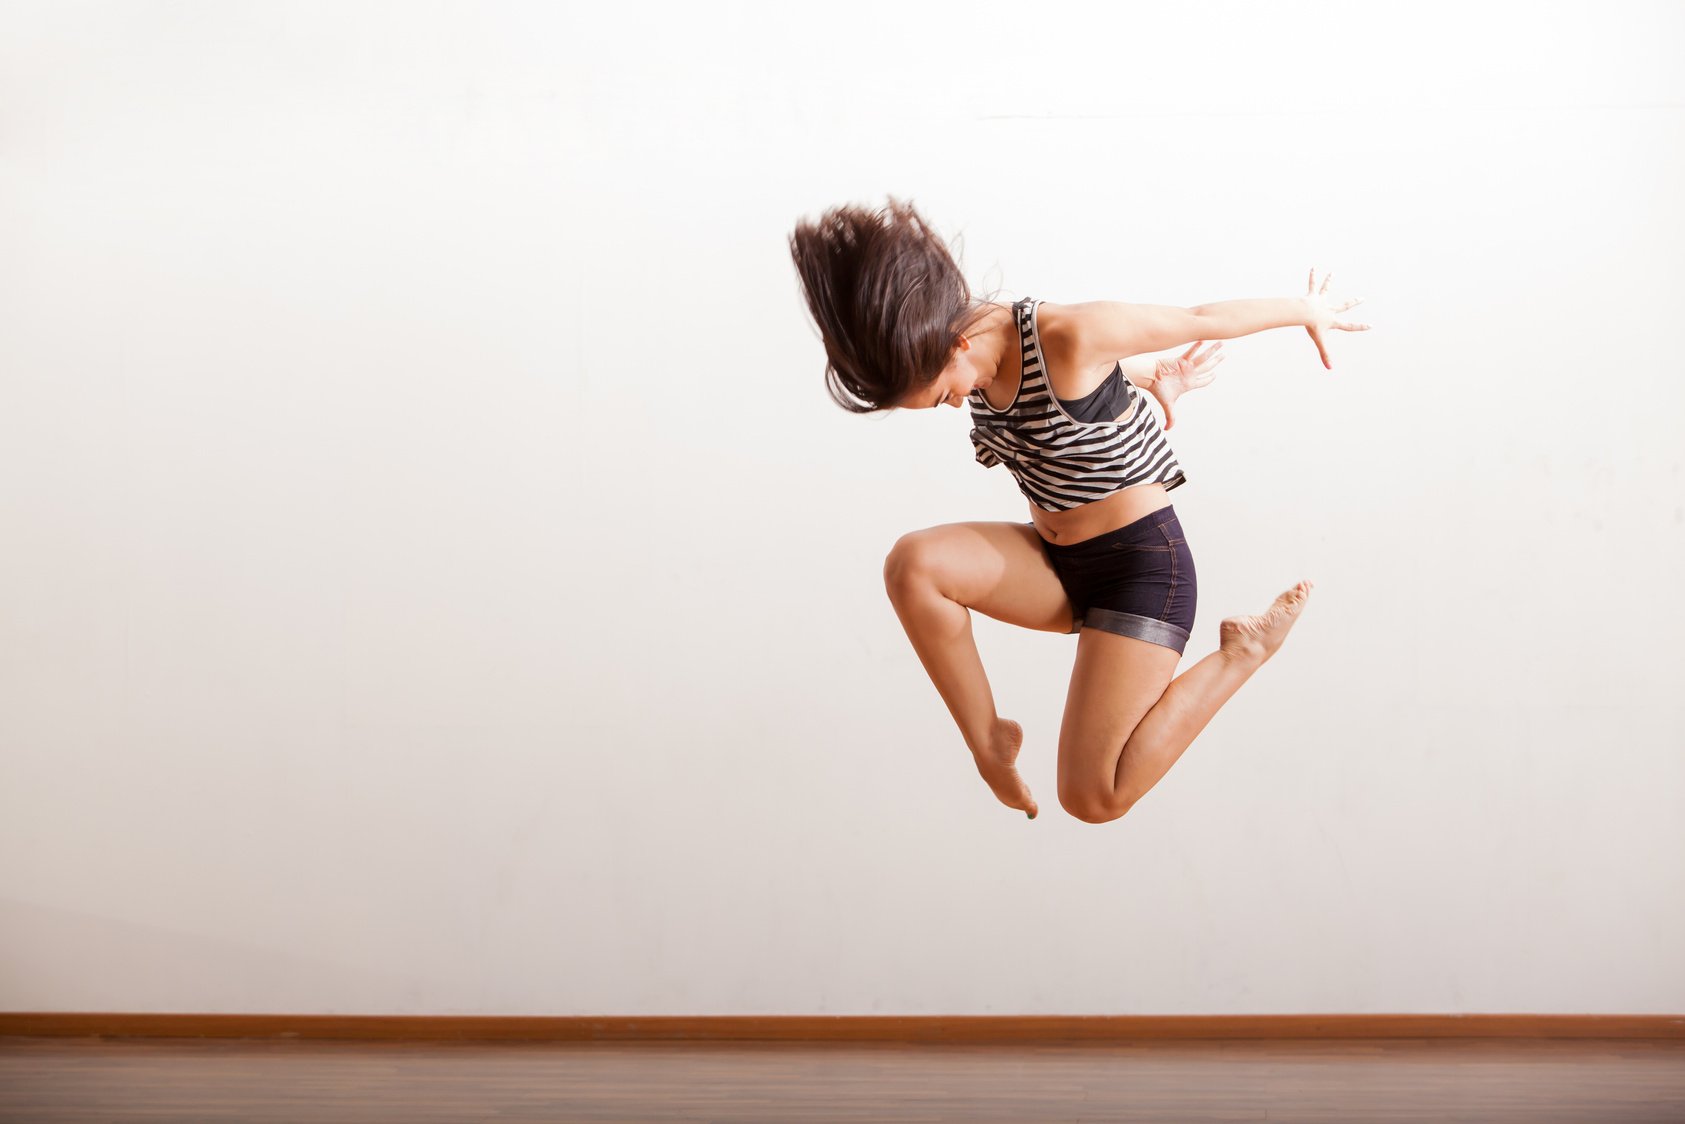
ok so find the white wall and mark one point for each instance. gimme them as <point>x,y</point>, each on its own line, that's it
<point>435,580</point>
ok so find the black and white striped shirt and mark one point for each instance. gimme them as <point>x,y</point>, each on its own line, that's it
<point>1060,462</point>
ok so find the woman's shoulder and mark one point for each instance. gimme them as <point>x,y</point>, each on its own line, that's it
<point>1053,322</point>
<point>1058,327</point>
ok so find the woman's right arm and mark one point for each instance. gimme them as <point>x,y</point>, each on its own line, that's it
<point>1313,312</point>
<point>1099,331</point>
<point>1229,319</point>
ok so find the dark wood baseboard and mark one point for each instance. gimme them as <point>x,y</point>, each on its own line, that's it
<point>839,1028</point>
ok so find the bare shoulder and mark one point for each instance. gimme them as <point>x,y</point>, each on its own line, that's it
<point>1072,368</point>
<point>1095,332</point>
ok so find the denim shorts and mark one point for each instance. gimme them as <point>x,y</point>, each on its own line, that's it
<point>1135,581</point>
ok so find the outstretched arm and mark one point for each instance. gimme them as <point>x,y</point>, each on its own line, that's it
<point>1111,328</point>
<point>1099,330</point>
<point>1226,320</point>
<point>1314,312</point>
<point>1096,331</point>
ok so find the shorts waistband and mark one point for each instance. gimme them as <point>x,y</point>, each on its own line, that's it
<point>1141,527</point>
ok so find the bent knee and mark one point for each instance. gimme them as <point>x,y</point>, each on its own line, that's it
<point>1092,807</point>
<point>910,562</point>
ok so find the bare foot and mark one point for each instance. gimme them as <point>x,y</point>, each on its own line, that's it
<point>1256,638</point>
<point>995,762</point>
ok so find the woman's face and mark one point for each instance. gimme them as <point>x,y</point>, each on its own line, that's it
<point>958,379</point>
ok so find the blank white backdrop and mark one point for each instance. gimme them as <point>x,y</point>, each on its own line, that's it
<point>436,581</point>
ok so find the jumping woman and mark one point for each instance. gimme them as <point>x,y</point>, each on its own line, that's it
<point>1054,393</point>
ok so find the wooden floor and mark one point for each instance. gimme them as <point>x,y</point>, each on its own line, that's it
<point>43,1080</point>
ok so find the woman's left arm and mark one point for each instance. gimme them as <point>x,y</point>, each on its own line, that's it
<point>1168,379</point>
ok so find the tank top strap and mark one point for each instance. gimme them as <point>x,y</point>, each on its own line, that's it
<point>1033,383</point>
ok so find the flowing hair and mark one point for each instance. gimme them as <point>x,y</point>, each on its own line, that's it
<point>888,298</point>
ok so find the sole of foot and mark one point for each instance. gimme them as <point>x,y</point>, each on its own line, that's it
<point>1258,637</point>
<point>997,764</point>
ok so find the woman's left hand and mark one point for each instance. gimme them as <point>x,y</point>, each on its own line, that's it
<point>1188,371</point>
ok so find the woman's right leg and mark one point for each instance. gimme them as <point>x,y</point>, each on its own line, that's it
<point>934,578</point>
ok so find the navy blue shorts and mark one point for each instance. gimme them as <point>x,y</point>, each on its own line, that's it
<point>1135,581</point>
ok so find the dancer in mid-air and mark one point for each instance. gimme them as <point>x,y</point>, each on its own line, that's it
<point>1052,391</point>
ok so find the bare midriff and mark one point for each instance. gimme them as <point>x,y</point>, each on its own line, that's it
<point>1119,509</point>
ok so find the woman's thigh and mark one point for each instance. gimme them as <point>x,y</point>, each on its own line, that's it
<point>1115,680</point>
<point>998,569</point>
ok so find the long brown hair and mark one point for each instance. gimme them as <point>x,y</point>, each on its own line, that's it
<point>888,297</point>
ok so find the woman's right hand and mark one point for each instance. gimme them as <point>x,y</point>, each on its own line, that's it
<point>1323,306</point>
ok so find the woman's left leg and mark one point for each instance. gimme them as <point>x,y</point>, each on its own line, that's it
<point>1125,727</point>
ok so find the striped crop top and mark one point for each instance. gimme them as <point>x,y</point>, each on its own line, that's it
<point>1062,462</point>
